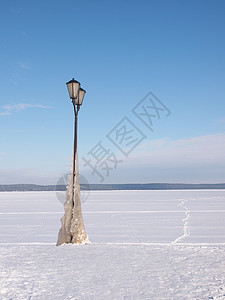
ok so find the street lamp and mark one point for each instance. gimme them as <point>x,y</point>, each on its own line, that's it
<point>73,230</point>
<point>77,94</point>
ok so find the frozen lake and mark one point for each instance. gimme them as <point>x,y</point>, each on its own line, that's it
<point>145,245</point>
<point>183,216</point>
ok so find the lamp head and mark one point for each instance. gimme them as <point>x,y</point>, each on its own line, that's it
<point>73,88</point>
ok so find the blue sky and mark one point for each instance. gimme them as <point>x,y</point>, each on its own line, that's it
<point>119,51</point>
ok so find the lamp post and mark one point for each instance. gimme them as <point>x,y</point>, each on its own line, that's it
<point>73,230</point>
<point>77,94</point>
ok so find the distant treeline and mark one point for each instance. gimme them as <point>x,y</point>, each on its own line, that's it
<point>106,187</point>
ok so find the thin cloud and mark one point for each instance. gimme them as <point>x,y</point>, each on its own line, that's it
<point>202,150</point>
<point>221,121</point>
<point>18,130</point>
<point>23,65</point>
<point>27,175</point>
<point>192,160</point>
<point>11,109</point>
<point>5,113</point>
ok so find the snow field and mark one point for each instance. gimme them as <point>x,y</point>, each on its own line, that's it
<point>145,245</point>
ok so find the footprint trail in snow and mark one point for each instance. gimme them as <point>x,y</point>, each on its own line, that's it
<point>186,226</point>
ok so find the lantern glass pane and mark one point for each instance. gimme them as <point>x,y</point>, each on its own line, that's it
<point>73,88</point>
<point>81,96</point>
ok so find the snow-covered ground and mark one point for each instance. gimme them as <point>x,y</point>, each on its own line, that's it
<point>145,245</point>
